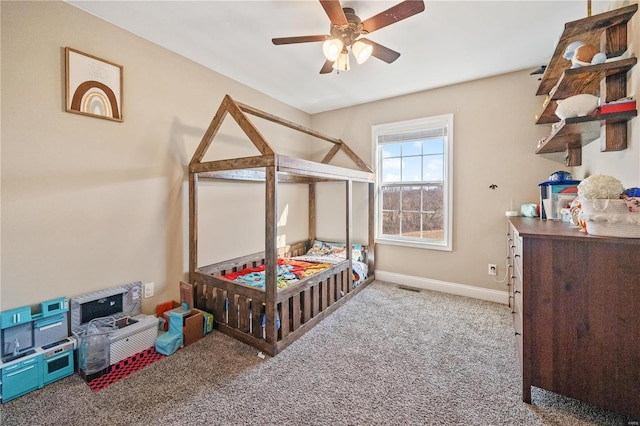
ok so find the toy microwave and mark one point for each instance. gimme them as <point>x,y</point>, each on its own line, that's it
<point>55,306</point>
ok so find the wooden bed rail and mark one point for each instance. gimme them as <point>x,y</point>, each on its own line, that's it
<point>239,310</point>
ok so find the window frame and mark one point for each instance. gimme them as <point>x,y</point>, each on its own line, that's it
<point>425,123</point>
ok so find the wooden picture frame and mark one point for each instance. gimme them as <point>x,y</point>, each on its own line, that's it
<point>93,86</point>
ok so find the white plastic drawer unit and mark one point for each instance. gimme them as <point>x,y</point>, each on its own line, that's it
<point>133,338</point>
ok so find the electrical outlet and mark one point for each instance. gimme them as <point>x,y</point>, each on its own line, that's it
<point>492,269</point>
<point>148,290</point>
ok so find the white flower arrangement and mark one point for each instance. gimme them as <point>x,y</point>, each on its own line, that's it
<point>600,187</point>
<point>603,211</point>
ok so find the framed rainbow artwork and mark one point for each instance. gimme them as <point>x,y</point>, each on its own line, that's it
<point>93,86</point>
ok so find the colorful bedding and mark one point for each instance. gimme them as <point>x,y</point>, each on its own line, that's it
<point>289,271</point>
<point>321,256</point>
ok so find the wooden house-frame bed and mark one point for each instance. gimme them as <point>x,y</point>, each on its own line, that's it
<point>270,319</point>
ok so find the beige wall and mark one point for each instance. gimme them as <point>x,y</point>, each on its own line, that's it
<point>624,165</point>
<point>494,142</point>
<point>89,203</point>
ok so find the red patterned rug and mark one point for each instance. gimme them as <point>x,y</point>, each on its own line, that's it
<point>125,368</point>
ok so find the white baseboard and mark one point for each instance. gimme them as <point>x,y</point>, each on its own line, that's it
<point>497,296</point>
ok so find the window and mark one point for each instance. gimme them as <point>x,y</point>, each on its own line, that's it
<point>414,182</point>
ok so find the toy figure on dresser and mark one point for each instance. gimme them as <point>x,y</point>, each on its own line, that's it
<point>574,214</point>
<point>631,198</point>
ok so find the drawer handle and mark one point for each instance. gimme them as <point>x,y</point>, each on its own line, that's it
<point>46,327</point>
<point>20,371</point>
<point>60,355</point>
<point>516,256</point>
<point>518,334</point>
<point>516,292</point>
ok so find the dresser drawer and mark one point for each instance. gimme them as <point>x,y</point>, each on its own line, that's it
<point>518,340</point>
<point>516,276</point>
<point>515,289</point>
<point>517,311</point>
<point>517,254</point>
<point>517,318</point>
<point>516,281</point>
<point>515,247</point>
<point>513,250</point>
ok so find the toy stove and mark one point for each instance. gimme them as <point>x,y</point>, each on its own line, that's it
<point>37,367</point>
<point>136,332</point>
<point>36,348</point>
<point>57,360</point>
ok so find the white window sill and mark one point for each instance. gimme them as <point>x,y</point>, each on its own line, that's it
<point>443,246</point>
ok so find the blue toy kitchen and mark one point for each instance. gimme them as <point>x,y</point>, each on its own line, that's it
<point>36,347</point>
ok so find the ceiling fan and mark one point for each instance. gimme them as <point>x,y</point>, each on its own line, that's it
<point>346,29</point>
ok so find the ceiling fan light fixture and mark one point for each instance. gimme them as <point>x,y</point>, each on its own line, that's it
<point>342,63</point>
<point>345,30</point>
<point>362,51</point>
<point>332,48</point>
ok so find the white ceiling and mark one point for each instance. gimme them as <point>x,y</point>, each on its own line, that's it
<point>450,42</point>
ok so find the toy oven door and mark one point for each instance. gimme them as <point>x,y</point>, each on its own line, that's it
<point>55,366</point>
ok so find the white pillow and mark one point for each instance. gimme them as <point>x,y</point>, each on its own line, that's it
<point>576,106</point>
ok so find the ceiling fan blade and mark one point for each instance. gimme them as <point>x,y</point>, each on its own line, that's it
<point>334,12</point>
<point>393,14</point>
<point>300,39</point>
<point>381,52</point>
<point>327,67</point>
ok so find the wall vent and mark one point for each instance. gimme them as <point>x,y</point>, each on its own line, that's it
<point>413,289</point>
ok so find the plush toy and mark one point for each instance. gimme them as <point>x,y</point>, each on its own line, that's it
<point>581,54</point>
<point>576,106</point>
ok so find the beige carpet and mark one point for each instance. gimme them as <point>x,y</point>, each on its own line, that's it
<point>387,357</point>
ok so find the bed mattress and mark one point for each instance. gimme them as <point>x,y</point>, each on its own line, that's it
<point>321,256</point>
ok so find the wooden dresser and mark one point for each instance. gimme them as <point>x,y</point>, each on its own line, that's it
<point>576,310</point>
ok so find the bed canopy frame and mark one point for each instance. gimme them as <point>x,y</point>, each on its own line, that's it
<point>303,306</point>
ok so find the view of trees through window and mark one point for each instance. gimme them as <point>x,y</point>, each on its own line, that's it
<point>412,195</point>
<point>413,211</point>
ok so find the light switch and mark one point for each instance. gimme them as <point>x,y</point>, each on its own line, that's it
<point>148,290</point>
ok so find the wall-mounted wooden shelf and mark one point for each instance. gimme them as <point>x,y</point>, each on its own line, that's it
<point>588,30</point>
<point>579,131</point>
<point>582,80</point>
<point>608,81</point>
